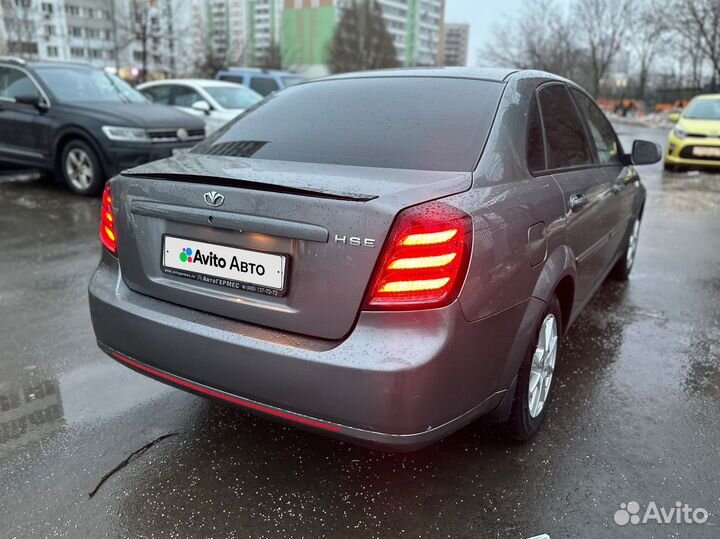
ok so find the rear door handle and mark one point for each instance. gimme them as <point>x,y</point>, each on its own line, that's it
<point>578,202</point>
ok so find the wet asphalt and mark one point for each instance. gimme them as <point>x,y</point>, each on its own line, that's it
<point>635,416</point>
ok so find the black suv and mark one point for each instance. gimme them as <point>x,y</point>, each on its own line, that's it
<point>84,123</point>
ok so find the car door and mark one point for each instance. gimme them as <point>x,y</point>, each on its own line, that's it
<point>585,186</point>
<point>625,181</point>
<point>23,130</point>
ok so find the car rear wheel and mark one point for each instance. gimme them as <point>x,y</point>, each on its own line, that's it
<point>624,265</point>
<point>80,167</point>
<point>536,376</point>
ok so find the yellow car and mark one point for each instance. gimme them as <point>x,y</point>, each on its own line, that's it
<point>695,139</point>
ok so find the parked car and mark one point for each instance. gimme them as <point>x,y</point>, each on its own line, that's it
<point>380,256</point>
<point>695,139</point>
<point>83,123</point>
<point>216,102</point>
<point>263,81</point>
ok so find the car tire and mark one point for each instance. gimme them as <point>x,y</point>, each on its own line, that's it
<point>536,375</point>
<point>669,167</point>
<point>80,168</point>
<point>624,265</point>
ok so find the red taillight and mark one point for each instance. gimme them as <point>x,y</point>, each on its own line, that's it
<point>425,259</point>
<point>107,227</point>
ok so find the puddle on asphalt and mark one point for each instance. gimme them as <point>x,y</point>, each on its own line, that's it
<point>690,191</point>
<point>19,176</point>
<point>84,396</point>
<point>703,372</point>
<point>30,413</point>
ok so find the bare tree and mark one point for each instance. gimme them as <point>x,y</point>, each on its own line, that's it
<point>602,25</point>
<point>207,66</point>
<point>361,40</point>
<point>153,31</point>
<point>273,57</point>
<point>541,37</point>
<point>650,32</point>
<point>699,22</point>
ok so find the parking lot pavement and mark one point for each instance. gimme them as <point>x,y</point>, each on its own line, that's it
<point>635,415</point>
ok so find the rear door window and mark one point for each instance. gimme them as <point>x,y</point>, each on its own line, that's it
<point>603,135</point>
<point>184,96</point>
<point>264,85</point>
<point>158,94</point>
<point>237,79</point>
<point>565,136</point>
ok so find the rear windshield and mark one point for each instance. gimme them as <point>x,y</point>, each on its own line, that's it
<point>391,122</point>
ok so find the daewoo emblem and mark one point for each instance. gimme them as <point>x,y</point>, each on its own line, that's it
<point>214,199</point>
<point>182,134</point>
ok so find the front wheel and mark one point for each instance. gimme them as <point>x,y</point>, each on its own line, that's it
<point>537,374</point>
<point>80,168</point>
<point>624,265</point>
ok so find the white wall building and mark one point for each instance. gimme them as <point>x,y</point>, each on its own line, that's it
<point>455,49</point>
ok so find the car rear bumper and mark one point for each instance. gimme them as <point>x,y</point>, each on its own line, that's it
<point>399,381</point>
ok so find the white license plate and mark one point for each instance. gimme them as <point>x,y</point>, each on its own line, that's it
<point>179,151</point>
<point>704,151</point>
<point>221,265</point>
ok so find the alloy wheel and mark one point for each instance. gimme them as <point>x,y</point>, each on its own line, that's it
<point>79,169</point>
<point>632,244</point>
<point>543,366</point>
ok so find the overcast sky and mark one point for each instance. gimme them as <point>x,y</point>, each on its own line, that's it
<point>482,15</point>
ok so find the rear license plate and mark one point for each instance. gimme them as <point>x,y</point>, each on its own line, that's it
<point>704,151</point>
<point>220,265</point>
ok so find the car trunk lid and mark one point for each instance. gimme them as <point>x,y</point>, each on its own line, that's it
<point>322,225</point>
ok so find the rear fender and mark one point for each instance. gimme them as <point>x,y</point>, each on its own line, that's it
<point>560,264</point>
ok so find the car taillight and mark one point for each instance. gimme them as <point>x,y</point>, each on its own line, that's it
<point>424,261</point>
<point>107,226</point>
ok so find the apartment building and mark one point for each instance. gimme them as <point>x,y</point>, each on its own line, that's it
<point>455,49</point>
<point>80,30</point>
<point>416,27</point>
<point>157,34</point>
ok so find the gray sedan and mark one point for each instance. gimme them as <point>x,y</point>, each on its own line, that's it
<point>382,257</point>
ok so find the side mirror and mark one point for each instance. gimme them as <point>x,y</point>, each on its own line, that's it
<point>202,106</point>
<point>645,152</point>
<point>29,99</point>
<point>674,117</point>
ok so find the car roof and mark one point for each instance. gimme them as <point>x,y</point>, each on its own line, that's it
<point>53,63</point>
<point>497,74</point>
<point>197,82</point>
<point>481,73</point>
<point>258,70</point>
<point>707,96</point>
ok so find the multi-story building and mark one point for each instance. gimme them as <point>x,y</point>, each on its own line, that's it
<point>124,34</point>
<point>157,35</point>
<point>242,31</point>
<point>455,49</point>
<point>263,26</point>
<point>416,28</point>
<point>59,29</point>
<point>87,34</point>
